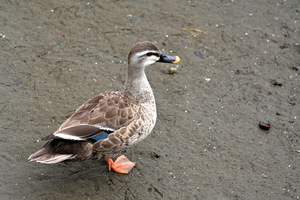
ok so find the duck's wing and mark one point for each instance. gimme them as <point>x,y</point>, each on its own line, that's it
<point>98,117</point>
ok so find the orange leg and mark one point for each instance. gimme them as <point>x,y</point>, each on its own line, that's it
<point>121,165</point>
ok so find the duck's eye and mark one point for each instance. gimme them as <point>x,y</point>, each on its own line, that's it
<point>149,54</point>
<point>152,54</point>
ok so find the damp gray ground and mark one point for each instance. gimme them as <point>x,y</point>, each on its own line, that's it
<point>239,65</point>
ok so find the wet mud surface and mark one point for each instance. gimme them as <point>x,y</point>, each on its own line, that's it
<point>240,63</point>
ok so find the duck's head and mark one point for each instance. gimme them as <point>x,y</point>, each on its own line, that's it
<point>143,54</point>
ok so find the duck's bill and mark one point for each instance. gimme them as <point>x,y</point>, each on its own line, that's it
<point>168,59</point>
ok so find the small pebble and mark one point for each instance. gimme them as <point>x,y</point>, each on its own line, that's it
<point>264,126</point>
<point>199,54</point>
<point>172,70</point>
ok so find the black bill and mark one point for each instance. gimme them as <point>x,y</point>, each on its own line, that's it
<point>168,59</point>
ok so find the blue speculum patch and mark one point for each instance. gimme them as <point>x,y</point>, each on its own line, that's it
<point>100,136</point>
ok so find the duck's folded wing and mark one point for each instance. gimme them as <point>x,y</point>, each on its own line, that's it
<point>106,112</point>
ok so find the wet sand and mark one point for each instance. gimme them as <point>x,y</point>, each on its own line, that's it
<point>240,63</point>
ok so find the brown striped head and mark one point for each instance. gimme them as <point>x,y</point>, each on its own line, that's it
<point>143,54</point>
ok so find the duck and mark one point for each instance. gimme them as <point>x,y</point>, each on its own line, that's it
<point>109,123</point>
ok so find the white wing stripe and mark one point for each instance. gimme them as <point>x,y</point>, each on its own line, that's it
<point>67,136</point>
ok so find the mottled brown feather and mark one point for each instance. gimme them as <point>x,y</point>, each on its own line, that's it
<point>107,111</point>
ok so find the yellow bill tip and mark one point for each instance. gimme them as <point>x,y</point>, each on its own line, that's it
<point>176,60</point>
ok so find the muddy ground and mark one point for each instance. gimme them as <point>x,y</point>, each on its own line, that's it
<point>240,63</point>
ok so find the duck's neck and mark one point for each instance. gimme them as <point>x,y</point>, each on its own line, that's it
<point>137,85</point>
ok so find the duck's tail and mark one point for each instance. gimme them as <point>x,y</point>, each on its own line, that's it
<point>43,156</point>
<point>59,150</point>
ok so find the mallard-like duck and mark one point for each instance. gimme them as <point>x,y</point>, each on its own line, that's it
<point>111,121</point>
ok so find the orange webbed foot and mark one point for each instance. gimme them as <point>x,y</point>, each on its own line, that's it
<point>121,164</point>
